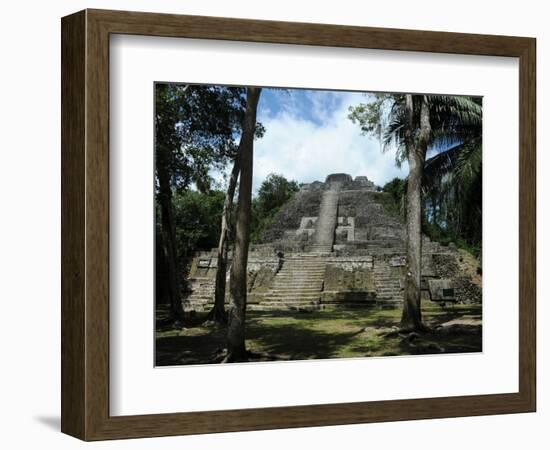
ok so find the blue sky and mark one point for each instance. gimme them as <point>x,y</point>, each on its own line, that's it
<point>309,136</point>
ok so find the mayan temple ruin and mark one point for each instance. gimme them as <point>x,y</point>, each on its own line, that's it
<point>335,244</point>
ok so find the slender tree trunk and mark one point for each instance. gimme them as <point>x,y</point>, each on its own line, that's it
<point>236,349</point>
<point>169,240</point>
<point>218,313</point>
<point>168,228</point>
<point>416,153</point>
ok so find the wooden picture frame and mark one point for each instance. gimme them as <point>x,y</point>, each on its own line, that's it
<point>85,224</point>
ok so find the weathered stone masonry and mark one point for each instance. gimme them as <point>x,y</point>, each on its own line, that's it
<point>333,244</point>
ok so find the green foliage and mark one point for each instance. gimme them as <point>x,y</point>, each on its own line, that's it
<point>391,198</point>
<point>368,116</point>
<point>383,118</point>
<point>197,214</point>
<point>196,129</point>
<point>448,236</point>
<point>197,219</point>
<point>274,192</point>
<point>396,189</point>
<point>453,196</point>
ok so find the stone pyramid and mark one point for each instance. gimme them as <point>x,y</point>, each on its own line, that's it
<point>333,244</point>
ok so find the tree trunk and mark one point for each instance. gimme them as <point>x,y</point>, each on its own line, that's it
<point>218,313</point>
<point>236,350</point>
<point>169,239</point>
<point>168,229</point>
<point>416,153</point>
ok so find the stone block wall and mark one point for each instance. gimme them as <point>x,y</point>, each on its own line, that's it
<point>305,203</point>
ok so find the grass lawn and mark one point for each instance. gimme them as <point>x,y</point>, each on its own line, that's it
<point>337,333</point>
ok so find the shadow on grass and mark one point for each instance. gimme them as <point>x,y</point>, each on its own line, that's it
<point>351,332</point>
<point>190,348</point>
<point>283,335</point>
<point>433,343</point>
<point>298,340</point>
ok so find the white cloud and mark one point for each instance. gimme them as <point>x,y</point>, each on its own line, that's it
<point>304,151</point>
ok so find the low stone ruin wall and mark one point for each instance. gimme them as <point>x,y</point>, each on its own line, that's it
<point>349,280</point>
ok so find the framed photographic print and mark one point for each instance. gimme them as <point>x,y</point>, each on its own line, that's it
<point>271,224</point>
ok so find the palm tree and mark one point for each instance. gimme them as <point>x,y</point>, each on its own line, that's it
<point>411,124</point>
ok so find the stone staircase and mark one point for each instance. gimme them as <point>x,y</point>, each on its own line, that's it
<point>321,248</point>
<point>202,296</point>
<point>326,224</point>
<point>297,285</point>
<point>388,288</point>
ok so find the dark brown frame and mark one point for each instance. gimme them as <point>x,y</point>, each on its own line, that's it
<point>85,224</point>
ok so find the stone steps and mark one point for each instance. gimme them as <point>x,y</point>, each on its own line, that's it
<point>298,279</point>
<point>297,269</point>
<point>283,295</point>
<point>326,223</point>
<point>303,281</point>
<point>299,276</point>
<point>278,306</point>
<point>295,294</point>
<point>203,294</point>
<point>295,290</point>
<point>388,288</point>
<point>289,302</point>
<point>325,250</point>
<point>301,271</point>
<point>305,256</point>
<point>302,284</point>
<point>313,261</point>
<point>297,285</point>
<point>298,304</point>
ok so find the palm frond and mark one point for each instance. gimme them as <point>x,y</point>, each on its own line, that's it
<point>468,164</point>
<point>455,115</point>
